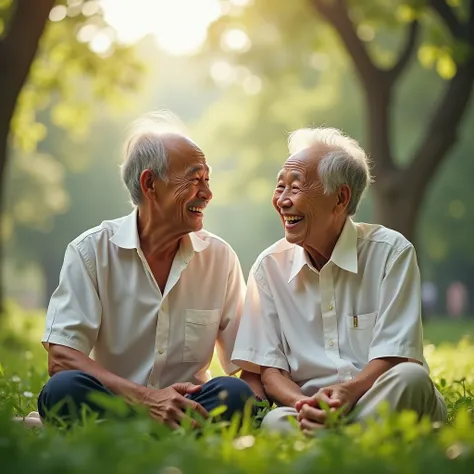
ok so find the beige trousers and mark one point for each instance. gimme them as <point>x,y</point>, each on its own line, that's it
<point>407,386</point>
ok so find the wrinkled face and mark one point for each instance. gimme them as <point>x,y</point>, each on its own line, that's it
<point>181,200</point>
<point>306,212</point>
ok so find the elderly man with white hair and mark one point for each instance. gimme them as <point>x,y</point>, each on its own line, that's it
<point>143,300</point>
<point>332,316</point>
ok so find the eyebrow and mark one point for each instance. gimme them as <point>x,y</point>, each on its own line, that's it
<point>291,174</point>
<point>196,169</point>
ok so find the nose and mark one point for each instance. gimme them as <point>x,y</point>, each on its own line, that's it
<point>283,200</point>
<point>205,192</point>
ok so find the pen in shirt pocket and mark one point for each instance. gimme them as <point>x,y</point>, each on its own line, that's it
<point>355,321</point>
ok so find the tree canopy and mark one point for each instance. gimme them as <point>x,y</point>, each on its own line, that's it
<point>296,56</point>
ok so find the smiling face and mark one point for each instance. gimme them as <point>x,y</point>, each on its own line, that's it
<point>308,215</point>
<point>179,201</point>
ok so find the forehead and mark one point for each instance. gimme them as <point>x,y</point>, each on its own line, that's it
<point>184,156</point>
<point>303,164</point>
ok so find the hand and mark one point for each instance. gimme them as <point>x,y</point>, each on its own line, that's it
<point>311,414</point>
<point>168,405</point>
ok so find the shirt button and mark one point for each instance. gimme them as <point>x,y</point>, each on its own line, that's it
<point>331,343</point>
<point>161,351</point>
<point>330,307</point>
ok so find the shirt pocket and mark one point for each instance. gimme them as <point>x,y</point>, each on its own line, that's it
<point>200,333</point>
<point>360,329</point>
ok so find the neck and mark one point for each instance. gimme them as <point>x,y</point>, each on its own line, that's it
<point>320,251</point>
<point>157,241</point>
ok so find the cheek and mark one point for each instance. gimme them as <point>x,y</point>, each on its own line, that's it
<point>182,192</point>
<point>274,202</point>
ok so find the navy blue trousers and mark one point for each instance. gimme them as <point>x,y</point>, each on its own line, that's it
<point>66,391</point>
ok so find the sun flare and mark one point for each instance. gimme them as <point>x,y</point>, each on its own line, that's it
<point>179,26</point>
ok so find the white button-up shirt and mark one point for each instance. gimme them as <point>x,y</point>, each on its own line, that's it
<point>109,306</point>
<point>324,327</point>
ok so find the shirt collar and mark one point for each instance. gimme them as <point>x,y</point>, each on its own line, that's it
<point>300,259</point>
<point>344,254</point>
<point>197,243</point>
<point>126,236</point>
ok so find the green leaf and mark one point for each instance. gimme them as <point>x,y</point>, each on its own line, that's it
<point>446,67</point>
<point>427,55</point>
<point>4,4</point>
<point>463,423</point>
<point>218,411</point>
<point>406,13</point>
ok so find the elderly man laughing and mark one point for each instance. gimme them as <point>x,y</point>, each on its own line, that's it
<point>143,300</point>
<point>332,313</point>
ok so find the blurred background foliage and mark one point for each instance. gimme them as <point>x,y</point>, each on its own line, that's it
<point>266,68</point>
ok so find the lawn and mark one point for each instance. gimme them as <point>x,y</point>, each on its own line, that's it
<point>397,444</point>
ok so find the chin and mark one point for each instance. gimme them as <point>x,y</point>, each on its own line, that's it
<point>293,239</point>
<point>197,227</point>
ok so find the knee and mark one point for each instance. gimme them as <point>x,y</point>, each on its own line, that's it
<point>63,387</point>
<point>63,384</point>
<point>411,376</point>
<point>278,420</point>
<point>232,391</point>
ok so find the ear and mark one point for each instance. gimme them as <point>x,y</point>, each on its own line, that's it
<point>343,197</point>
<point>147,183</point>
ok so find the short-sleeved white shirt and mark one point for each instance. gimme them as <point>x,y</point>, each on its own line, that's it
<point>109,306</point>
<point>324,327</point>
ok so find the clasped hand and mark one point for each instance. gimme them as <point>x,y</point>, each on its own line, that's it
<point>312,416</point>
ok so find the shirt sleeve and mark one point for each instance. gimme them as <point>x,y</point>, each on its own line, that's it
<point>398,330</point>
<point>231,314</point>
<point>258,340</point>
<point>74,312</point>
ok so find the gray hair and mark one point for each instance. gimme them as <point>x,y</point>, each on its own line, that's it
<point>144,149</point>
<point>345,163</point>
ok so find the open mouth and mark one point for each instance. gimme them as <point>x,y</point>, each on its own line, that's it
<point>292,221</point>
<point>196,210</point>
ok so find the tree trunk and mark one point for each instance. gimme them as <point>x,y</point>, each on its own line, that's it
<point>51,267</point>
<point>3,160</point>
<point>17,51</point>
<point>397,210</point>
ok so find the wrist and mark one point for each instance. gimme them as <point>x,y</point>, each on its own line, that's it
<point>355,389</point>
<point>139,393</point>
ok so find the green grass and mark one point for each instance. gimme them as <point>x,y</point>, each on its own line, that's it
<point>441,330</point>
<point>396,444</point>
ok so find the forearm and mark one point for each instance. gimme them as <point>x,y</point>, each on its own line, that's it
<point>65,358</point>
<point>279,387</point>
<point>367,377</point>
<point>255,383</point>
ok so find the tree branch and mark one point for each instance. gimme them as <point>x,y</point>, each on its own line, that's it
<point>337,15</point>
<point>441,133</point>
<point>447,15</point>
<point>375,82</point>
<point>18,49</point>
<point>406,52</point>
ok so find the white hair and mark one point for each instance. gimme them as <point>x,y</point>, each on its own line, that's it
<point>345,163</point>
<point>144,149</point>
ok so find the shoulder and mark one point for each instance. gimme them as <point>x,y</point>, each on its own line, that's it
<point>216,244</point>
<point>213,239</point>
<point>374,235</point>
<point>278,253</point>
<point>88,241</point>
